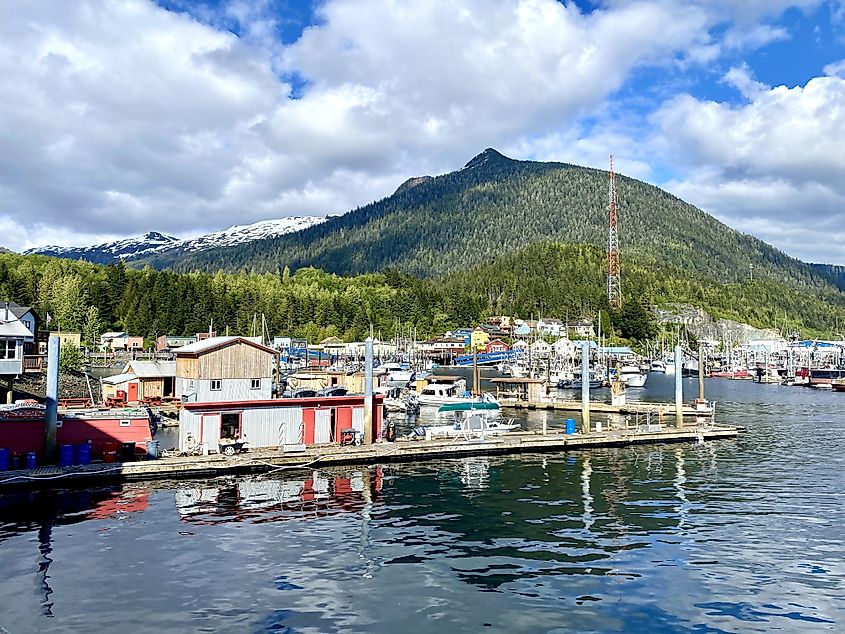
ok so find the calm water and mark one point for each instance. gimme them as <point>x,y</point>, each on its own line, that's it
<point>733,536</point>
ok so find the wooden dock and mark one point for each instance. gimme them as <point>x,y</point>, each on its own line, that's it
<point>598,407</point>
<point>327,455</point>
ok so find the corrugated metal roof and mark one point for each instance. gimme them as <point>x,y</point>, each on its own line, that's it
<point>152,369</point>
<point>119,378</point>
<point>217,342</point>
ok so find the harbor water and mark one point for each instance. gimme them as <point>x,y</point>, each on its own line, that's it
<point>742,535</point>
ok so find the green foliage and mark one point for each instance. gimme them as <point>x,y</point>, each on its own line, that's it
<point>566,281</point>
<point>634,321</point>
<point>497,206</point>
<point>71,358</point>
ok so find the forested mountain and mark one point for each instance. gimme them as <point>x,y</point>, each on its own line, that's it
<point>834,272</point>
<point>559,280</point>
<point>495,205</point>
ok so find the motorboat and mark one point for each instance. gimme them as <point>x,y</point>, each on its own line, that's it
<point>472,423</point>
<point>658,366</point>
<point>397,399</point>
<point>631,376</point>
<point>441,390</point>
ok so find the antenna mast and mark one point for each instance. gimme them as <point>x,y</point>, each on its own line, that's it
<point>614,279</point>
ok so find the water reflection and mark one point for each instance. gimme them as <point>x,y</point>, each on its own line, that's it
<point>272,499</point>
<point>721,536</point>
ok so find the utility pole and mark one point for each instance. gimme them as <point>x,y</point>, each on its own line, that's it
<point>614,277</point>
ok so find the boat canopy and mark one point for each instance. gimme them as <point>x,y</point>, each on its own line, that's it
<point>467,407</point>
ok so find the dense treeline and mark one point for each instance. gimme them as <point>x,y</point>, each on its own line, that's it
<point>495,206</point>
<point>565,281</point>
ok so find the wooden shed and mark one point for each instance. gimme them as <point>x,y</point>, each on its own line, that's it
<point>225,369</point>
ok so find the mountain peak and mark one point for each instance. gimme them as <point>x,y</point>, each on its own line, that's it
<point>487,156</point>
<point>412,182</point>
<point>155,236</point>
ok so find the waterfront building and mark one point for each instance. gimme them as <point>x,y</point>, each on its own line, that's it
<point>13,336</point>
<point>67,338</point>
<point>166,343</point>
<point>224,369</point>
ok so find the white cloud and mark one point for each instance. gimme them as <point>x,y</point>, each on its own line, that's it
<point>775,162</point>
<point>121,117</point>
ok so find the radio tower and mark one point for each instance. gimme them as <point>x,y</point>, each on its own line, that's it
<point>614,280</point>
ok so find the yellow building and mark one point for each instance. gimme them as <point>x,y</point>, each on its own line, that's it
<point>68,338</point>
<point>478,339</point>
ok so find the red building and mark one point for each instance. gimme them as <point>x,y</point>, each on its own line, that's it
<point>496,345</point>
<point>275,422</point>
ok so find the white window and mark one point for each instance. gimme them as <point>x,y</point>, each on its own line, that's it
<point>255,384</point>
<point>8,349</point>
<point>216,385</point>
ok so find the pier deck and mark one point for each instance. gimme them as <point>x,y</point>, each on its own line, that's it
<point>322,456</point>
<point>597,407</point>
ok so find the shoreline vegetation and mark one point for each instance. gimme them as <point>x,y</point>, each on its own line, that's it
<point>550,280</point>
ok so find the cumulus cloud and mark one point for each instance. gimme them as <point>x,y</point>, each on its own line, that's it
<point>768,165</point>
<point>120,117</point>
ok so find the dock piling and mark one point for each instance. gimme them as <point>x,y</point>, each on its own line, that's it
<point>679,385</point>
<point>585,387</point>
<point>368,391</point>
<point>53,346</point>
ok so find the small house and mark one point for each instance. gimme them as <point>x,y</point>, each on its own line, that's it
<point>155,379</point>
<point>166,343</point>
<point>68,338</point>
<point>478,339</point>
<point>541,348</point>
<point>13,336</point>
<point>29,318</point>
<point>287,423</point>
<point>496,345</point>
<point>224,369</point>
<point>113,341</point>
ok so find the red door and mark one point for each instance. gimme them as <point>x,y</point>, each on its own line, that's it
<point>133,393</point>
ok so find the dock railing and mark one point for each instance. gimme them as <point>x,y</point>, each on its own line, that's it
<point>33,363</point>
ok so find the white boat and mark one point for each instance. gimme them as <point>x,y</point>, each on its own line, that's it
<point>658,366</point>
<point>473,424</point>
<point>397,399</point>
<point>440,392</point>
<point>631,376</point>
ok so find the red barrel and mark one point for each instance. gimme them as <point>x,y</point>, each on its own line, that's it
<point>109,452</point>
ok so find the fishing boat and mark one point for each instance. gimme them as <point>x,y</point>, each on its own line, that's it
<point>397,399</point>
<point>442,390</point>
<point>631,376</point>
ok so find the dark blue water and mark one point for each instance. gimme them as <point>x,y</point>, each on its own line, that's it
<point>738,536</point>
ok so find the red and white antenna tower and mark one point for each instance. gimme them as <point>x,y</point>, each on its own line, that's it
<point>614,278</point>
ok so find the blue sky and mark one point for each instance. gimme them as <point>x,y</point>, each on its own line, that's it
<point>187,117</point>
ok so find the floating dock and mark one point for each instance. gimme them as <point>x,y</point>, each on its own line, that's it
<point>634,407</point>
<point>264,461</point>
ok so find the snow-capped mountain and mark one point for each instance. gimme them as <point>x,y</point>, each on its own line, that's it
<point>150,242</point>
<point>239,234</point>
<point>154,243</point>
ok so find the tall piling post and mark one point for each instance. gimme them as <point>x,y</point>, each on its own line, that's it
<point>679,385</point>
<point>476,382</point>
<point>585,387</point>
<point>701,362</point>
<point>53,347</point>
<point>368,391</point>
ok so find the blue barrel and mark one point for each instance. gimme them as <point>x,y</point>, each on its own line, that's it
<point>4,459</point>
<point>65,455</point>
<point>83,453</point>
<point>31,460</point>
<point>570,425</point>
